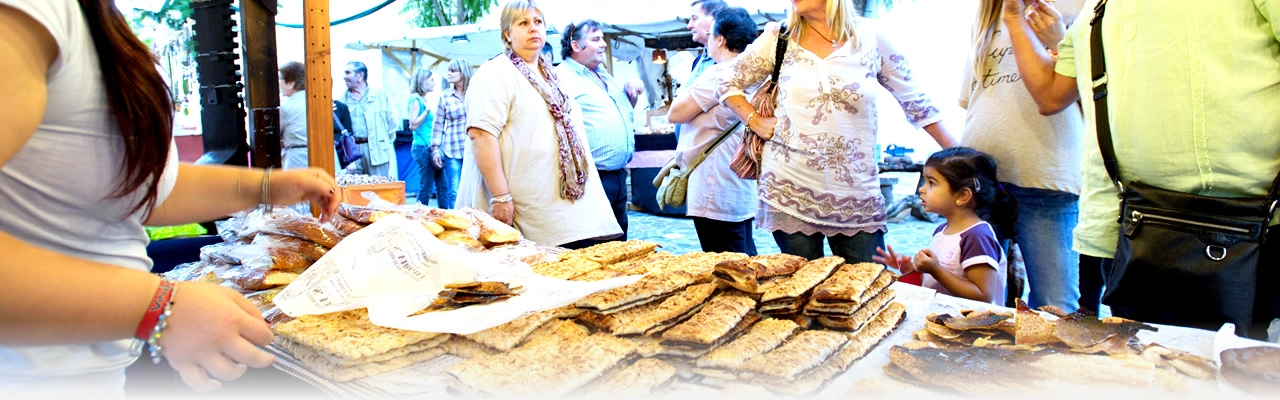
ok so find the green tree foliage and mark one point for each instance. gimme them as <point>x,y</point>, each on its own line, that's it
<point>429,13</point>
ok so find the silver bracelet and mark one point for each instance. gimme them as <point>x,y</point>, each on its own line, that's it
<point>506,198</point>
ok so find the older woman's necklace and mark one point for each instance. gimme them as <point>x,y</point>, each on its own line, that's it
<point>824,37</point>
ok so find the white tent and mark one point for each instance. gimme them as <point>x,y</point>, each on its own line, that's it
<point>627,26</point>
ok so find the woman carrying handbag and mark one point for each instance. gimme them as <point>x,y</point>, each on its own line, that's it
<point>818,176</point>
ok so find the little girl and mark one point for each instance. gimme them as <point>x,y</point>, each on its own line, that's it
<point>964,258</point>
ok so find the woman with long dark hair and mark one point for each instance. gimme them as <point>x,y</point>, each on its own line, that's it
<point>86,159</point>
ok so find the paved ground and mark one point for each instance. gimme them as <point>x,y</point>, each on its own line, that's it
<point>676,234</point>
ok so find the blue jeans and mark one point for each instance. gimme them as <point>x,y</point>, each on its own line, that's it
<point>447,182</point>
<point>855,249</point>
<point>427,173</point>
<point>1045,221</point>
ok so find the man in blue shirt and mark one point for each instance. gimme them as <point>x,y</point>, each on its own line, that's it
<point>701,22</point>
<point>607,112</point>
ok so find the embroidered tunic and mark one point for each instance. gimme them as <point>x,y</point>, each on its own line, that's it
<point>818,172</point>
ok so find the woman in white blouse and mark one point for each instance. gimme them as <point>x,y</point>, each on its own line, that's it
<point>818,176</point>
<point>532,166</point>
<point>720,203</point>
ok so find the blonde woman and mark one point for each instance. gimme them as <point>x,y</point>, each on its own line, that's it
<point>818,176</point>
<point>418,168</point>
<point>531,164</point>
<point>450,133</point>
<point>1039,155</point>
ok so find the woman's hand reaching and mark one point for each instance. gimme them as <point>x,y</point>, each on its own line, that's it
<point>213,336</point>
<point>311,184</point>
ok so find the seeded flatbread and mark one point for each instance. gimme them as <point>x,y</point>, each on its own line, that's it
<point>612,252</point>
<point>294,347</point>
<point>845,308</point>
<point>466,348</point>
<point>859,345</point>
<point>348,335</point>
<point>763,337</point>
<point>598,274</point>
<point>801,353</point>
<point>634,381</point>
<point>667,313</point>
<point>715,319</point>
<point>860,317</point>
<point>506,336</point>
<point>773,265</point>
<point>803,280</point>
<point>550,368</point>
<point>848,282</point>
<point>565,269</point>
<point>651,287</point>
<point>320,364</point>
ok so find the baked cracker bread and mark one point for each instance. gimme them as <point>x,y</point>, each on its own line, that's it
<point>802,353</point>
<point>651,287</point>
<point>773,265</point>
<point>847,283</point>
<point>506,336</point>
<point>715,320</point>
<point>320,364</point>
<point>348,335</point>
<point>860,317</point>
<point>766,335</point>
<point>612,252</point>
<point>804,279</point>
<point>633,381</point>
<point>859,345</point>
<point>667,313</point>
<point>565,269</point>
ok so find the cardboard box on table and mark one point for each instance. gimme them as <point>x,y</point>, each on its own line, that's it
<point>392,192</point>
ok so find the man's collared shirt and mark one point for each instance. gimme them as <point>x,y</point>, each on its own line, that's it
<point>606,111</point>
<point>359,127</point>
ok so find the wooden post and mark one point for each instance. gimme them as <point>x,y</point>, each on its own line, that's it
<point>608,53</point>
<point>319,85</point>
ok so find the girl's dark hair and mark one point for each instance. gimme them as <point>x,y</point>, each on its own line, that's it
<point>575,32</point>
<point>966,168</point>
<point>294,72</point>
<point>736,26</point>
<point>137,97</point>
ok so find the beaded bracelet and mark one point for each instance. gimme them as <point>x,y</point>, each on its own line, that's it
<point>155,320</point>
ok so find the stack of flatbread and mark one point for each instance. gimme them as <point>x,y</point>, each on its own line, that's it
<point>756,274</point>
<point>345,345</point>
<point>652,287</point>
<point>591,263</point>
<point>723,318</point>
<point>654,317</point>
<point>788,297</point>
<point>555,361</point>
<point>851,296</point>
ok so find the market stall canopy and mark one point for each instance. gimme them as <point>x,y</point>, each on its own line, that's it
<point>633,27</point>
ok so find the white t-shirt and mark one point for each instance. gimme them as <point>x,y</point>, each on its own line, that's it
<point>54,193</point>
<point>501,101</point>
<point>715,191</point>
<point>1034,151</point>
<point>975,246</point>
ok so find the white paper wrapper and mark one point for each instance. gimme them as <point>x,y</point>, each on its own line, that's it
<point>396,267</point>
<point>1226,339</point>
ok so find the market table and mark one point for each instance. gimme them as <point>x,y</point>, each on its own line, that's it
<point>429,378</point>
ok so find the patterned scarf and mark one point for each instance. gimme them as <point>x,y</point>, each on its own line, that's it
<point>573,162</point>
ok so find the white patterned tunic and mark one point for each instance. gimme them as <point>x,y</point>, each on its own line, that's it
<point>818,173</point>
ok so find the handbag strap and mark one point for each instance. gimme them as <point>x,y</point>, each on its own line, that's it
<point>698,160</point>
<point>1103,121</point>
<point>338,123</point>
<point>781,52</point>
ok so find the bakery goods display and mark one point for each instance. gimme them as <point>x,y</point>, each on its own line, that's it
<point>719,324</point>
